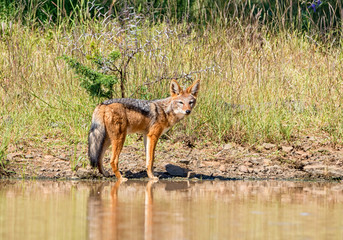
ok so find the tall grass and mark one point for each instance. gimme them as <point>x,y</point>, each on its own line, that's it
<point>277,14</point>
<point>257,85</point>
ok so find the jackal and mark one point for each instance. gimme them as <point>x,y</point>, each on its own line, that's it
<point>115,118</point>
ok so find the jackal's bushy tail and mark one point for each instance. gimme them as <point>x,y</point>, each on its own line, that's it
<point>96,138</point>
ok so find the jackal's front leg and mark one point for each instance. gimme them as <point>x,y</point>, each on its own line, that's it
<point>150,142</point>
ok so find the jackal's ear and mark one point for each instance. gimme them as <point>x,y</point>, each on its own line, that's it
<point>175,88</point>
<point>194,88</point>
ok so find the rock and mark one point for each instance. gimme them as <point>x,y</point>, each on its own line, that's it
<point>243,169</point>
<point>268,146</point>
<point>191,174</point>
<point>335,171</point>
<point>63,157</point>
<point>28,156</point>
<point>232,168</point>
<point>311,138</point>
<point>258,169</point>
<point>185,161</point>
<point>74,177</point>
<point>303,154</point>
<point>68,173</point>
<point>320,169</point>
<point>222,168</point>
<point>248,164</point>
<point>212,164</point>
<point>287,149</point>
<point>316,169</point>
<point>266,162</point>
<point>306,147</point>
<point>11,156</point>
<point>305,162</point>
<point>177,171</point>
<point>227,146</point>
<point>83,173</point>
<point>274,169</point>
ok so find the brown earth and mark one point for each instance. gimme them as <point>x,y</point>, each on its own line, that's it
<point>308,159</point>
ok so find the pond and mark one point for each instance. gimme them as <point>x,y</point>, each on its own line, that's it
<point>171,210</point>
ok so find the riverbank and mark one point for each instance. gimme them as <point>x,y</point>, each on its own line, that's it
<point>308,159</point>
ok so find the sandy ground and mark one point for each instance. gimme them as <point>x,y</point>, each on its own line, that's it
<point>307,159</point>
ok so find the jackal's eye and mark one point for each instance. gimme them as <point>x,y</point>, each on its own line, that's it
<point>180,102</point>
<point>191,102</point>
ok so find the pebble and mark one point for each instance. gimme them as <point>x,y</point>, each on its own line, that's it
<point>287,149</point>
<point>267,162</point>
<point>258,170</point>
<point>228,146</point>
<point>248,164</point>
<point>322,169</point>
<point>243,169</point>
<point>11,156</point>
<point>268,146</point>
<point>222,168</point>
<point>83,173</point>
<point>185,161</point>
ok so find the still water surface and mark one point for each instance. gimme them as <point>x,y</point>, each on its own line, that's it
<point>171,210</point>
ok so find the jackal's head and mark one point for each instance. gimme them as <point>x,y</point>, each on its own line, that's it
<point>183,100</point>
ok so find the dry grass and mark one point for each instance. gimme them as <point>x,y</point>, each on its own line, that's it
<point>256,86</point>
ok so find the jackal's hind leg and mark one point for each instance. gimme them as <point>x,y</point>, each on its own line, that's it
<point>117,146</point>
<point>107,143</point>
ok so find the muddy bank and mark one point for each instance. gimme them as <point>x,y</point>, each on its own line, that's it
<point>307,159</point>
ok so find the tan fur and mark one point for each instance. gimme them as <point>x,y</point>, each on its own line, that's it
<point>119,120</point>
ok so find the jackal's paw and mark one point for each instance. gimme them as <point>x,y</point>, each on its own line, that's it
<point>122,179</point>
<point>155,179</point>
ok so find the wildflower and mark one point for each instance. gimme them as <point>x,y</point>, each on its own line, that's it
<point>314,5</point>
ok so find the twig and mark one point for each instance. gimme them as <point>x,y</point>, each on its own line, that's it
<point>183,75</point>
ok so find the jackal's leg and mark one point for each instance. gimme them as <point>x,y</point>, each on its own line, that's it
<point>150,145</point>
<point>105,146</point>
<point>117,146</point>
<point>144,140</point>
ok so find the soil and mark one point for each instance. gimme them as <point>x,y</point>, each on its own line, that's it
<point>308,159</point>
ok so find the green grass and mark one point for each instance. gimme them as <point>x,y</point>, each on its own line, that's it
<point>255,86</point>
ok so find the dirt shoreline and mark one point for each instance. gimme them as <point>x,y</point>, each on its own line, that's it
<point>305,160</point>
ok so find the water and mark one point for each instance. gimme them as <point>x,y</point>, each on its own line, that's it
<point>171,210</point>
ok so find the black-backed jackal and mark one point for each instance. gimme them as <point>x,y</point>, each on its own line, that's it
<point>115,118</point>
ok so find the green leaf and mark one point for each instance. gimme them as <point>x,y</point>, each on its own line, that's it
<point>96,84</point>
